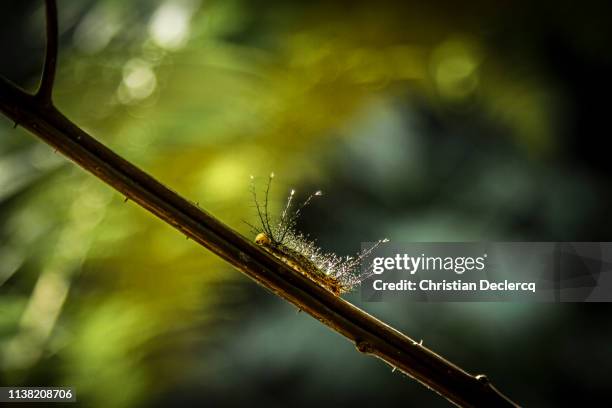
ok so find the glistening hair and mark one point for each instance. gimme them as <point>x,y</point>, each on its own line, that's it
<point>279,236</point>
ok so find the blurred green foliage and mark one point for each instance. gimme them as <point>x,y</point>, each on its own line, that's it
<point>99,295</point>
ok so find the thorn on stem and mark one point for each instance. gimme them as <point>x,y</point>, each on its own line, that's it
<point>483,379</point>
<point>15,125</point>
<point>363,347</point>
<point>126,197</point>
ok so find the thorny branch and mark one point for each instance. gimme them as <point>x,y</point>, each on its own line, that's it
<point>370,336</point>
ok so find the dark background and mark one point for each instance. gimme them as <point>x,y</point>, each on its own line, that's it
<point>450,121</point>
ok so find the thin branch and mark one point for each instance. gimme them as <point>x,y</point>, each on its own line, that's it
<point>370,335</point>
<point>45,90</point>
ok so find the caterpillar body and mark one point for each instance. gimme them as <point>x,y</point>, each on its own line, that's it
<point>301,264</point>
<point>279,237</point>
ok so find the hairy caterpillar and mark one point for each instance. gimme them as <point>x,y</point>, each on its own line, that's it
<point>279,237</point>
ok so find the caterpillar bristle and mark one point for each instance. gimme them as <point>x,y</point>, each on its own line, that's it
<point>280,237</point>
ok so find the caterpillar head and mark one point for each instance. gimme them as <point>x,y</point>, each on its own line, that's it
<point>263,239</point>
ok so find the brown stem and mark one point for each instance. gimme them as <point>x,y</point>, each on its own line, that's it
<point>370,335</point>
<point>48,75</point>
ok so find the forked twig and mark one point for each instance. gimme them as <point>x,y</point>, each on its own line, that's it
<point>370,335</point>
<point>45,90</point>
